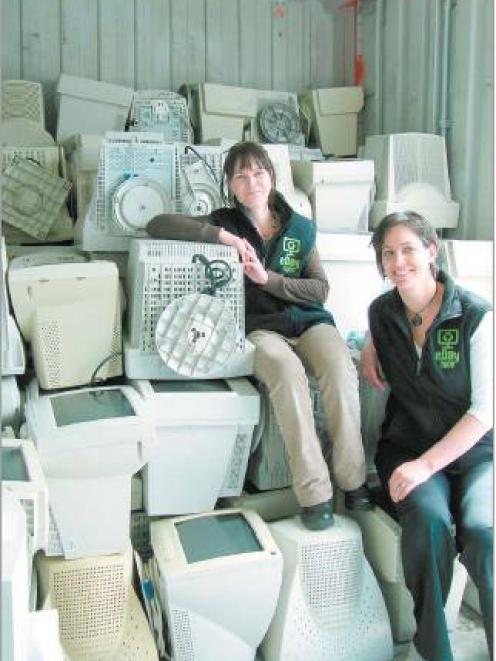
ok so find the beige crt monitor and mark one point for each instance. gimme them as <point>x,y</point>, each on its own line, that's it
<point>340,192</point>
<point>71,314</point>
<point>242,113</point>
<point>412,174</point>
<point>333,114</point>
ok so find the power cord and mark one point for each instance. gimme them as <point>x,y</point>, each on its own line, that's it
<point>217,271</point>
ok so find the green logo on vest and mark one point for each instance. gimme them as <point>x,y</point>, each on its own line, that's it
<point>289,261</point>
<point>447,339</point>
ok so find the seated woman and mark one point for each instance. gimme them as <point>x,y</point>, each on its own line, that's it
<point>286,321</point>
<point>432,343</point>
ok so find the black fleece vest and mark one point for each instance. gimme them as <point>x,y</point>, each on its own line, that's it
<point>288,254</point>
<point>428,394</point>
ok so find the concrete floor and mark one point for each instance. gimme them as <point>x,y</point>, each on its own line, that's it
<point>467,640</point>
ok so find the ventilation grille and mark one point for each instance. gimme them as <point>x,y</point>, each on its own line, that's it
<point>163,111</point>
<point>24,99</point>
<point>32,197</point>
<point>162,271</point>
<point>333,596</point>
<point>123,158</point>
<point>198,181</point>
<point>181,636</point>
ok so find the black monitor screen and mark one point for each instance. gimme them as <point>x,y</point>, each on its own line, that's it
<point>90,405</point>
<point>13,465</point>
<point>207,537</point>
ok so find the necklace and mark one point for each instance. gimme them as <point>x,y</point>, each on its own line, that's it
<point>416,320</point>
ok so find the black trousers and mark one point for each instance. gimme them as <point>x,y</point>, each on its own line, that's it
<point>461,494</point>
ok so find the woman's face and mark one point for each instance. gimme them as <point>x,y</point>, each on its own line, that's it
<point>251,185</point>
<point>405,259</point>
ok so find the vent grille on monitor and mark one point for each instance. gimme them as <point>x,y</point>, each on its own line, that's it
<point>32,197</point>
<point>51,347</point>
<point>236,471</point>
<point>198,179</point>
<point>161,110</point>
<point>403,159</point>
<point>162,271</point>
<point>92,599</point>
<point>330,606</point>
<point>47,157</point>
<point>123,157</point>
<point>22,98</point>
<point>181,632</point>
<point>29,508</point>
<point>418,157</point>
<point>332,596</point>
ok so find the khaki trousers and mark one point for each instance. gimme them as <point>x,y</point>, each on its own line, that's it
<point>280,364</point>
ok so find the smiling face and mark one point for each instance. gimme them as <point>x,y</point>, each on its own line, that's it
<point>251,185</point>
<point>406,260</point>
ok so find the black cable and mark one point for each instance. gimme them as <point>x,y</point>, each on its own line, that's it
<point>112,355</point>
<point>204,161</point>
<point>217,271</point>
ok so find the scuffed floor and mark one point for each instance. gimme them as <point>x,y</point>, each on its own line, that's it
<point>467,640</point>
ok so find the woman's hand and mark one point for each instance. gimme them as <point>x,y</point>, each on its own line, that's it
<point>370,368</point>
<point>253,266</point>
<point>229,239</point>
<point>408,476</point>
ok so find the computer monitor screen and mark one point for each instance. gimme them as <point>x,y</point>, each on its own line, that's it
<point>90,405</point>
<point>13,465</point>
<point>216,536</point>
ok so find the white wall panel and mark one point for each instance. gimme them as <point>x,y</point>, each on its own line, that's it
<point>116,38</point>
<point>222,39</point>
<point>153,46</point>
<point>255,43</point>
<point>165,43</point>
<point>11,39</point>
<point>80,38</point>
<point>40,38</point>
<point>188,41</point>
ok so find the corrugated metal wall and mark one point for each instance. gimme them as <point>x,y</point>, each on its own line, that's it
<point>288,46</point>
<point>403,43</point>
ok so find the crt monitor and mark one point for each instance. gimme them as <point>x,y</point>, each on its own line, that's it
<point>90,442</point>
<point>71,314</point>
<point>15,581</point>
<point>23,477</point>
<point>330,607</point>
<point>204,432</point>
<point>219,575</point>
<point>412,175</point>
